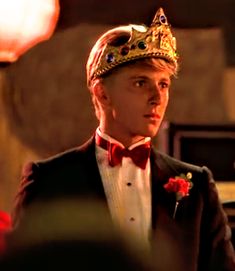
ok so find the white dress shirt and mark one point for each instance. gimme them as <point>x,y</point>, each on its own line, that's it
<point>128,192</point>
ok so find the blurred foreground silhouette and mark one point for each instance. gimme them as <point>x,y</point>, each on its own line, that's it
<point>70,234</point>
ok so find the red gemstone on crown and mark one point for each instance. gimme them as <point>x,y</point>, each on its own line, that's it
<point>124,50</point>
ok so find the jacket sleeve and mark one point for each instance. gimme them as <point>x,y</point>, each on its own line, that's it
<point>218,250</point>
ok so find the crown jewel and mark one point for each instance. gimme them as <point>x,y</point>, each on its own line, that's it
<point>154,41</point>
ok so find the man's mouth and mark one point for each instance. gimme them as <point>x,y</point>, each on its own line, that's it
<point>153,116</point>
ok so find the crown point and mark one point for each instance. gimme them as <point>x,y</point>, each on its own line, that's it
<point>160,17</point>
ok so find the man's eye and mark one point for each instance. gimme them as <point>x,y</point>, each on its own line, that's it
<point>140,83</point>
<point>164,85</point>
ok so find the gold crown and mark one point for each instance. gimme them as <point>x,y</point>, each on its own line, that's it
<point>155,41</point>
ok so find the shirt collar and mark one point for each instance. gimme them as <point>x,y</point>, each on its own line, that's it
<point>112,140</point>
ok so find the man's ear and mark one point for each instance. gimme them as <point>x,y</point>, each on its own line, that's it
<point>100,92</point>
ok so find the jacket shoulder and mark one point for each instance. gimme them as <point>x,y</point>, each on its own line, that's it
<point>176,164</point>
<point>70,156</point>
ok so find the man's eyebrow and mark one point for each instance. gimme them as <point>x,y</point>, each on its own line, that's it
<point>166,79</point>
<point>144,77</point>
<point>139,77</point>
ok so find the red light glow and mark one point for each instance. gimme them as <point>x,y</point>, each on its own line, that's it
<point>23,24</point>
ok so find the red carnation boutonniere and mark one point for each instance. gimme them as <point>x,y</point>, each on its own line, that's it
<point>180,185</point>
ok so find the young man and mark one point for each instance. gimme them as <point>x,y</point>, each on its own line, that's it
<point>170,207</point>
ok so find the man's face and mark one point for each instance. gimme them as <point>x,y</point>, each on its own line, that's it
<point>137,97</point>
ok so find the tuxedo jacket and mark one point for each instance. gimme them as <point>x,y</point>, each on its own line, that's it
<point>197,238</point>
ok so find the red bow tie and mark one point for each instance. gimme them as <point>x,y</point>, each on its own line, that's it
<point>139,154</point>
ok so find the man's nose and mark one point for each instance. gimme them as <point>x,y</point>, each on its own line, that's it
<point>155,97</point>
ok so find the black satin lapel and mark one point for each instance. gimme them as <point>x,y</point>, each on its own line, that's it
<point>92,169</point>
<point>94,190</point>
<point>163,203</point>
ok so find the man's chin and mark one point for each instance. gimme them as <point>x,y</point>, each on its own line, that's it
<point>151,133</point>
<point>152,130</point>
